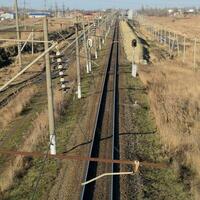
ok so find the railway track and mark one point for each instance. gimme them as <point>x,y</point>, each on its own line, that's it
<point>105,135</point>
<point>9,93</point>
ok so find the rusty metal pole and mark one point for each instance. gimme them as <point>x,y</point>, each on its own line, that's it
<point>49,93</point>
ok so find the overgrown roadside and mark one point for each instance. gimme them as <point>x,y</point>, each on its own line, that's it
<point>174,97</point>
<point>141,140</point>
<point>61,179</point>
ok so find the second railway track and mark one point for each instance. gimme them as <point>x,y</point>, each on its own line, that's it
<point>105,136</point>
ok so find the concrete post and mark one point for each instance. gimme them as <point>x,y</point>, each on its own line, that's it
<point>18,34</point>
<point>85,47</point>
<point>78,63</point>
<point>184,48</point>
<point>49,93</point>
<point>32,45</point>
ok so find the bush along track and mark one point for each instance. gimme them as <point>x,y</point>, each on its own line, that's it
<point>142,142</point>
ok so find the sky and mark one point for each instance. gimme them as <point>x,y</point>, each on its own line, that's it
<point>102,4</point>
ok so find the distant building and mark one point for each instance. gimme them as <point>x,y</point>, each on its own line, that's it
<point>130,14</point>
<point>38,14</point>
<point>191,11</point>
<point>7,16</point>
<point>170,11</point>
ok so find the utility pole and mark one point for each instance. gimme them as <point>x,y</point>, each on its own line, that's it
<point>56,9</point>
<point>49,92</point>
<point>24,10</point>
<point>195,47</point>
<point>86,50</point>
<point>78,61</point>
<point>45,5</point>
<point>32,42</point>
<point>95,42</point>
<point>89,49</point>
<point>18,34</point>
<point>63,10</point>
<point>99,39</point>
<point>184,48</point>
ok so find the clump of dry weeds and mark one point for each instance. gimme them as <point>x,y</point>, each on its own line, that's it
<point>174,93</point>
<point>37,134</point>
<point>16,106</point>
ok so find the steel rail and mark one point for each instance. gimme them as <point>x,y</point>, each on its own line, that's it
<point>86,190</point>
<point>114,128</point>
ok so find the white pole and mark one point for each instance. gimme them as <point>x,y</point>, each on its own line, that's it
<point>184,48</point>
<point>32,42</point>
<point>195,46</point>
<point>134,66</point>
<point>169,36</point>
<point>177,39</point>
<point>85,47</point>
<point>95,46</point>
<point>26,42</point>
<point>78,63</point>
<point>89,58</point>
<point>99,35</point>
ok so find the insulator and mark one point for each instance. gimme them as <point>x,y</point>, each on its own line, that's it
<point>61,73</point>
<point>60,67</point>
<point>62,80</point>
<point>59,60</point>
<point>63,86</point>
<point>59,56</point>
<point>58,53</point>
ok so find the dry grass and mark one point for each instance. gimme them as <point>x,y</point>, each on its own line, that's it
<point>37,25</point>
<point>39,131</point>
<point>174,95</point>
<point>188,25</point>
<point>16,106</point>
<point>37,134</point>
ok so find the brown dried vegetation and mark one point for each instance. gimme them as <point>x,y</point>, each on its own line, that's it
<point>174,96</point>
<point>16,106</point>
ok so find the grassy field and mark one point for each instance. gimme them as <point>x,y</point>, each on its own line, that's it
<point>35,24</point>
<point>173,92</point>
<point>187,25</point>
<point>144,143</point>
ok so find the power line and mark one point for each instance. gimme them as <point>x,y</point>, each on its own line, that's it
<point>82,158</point>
